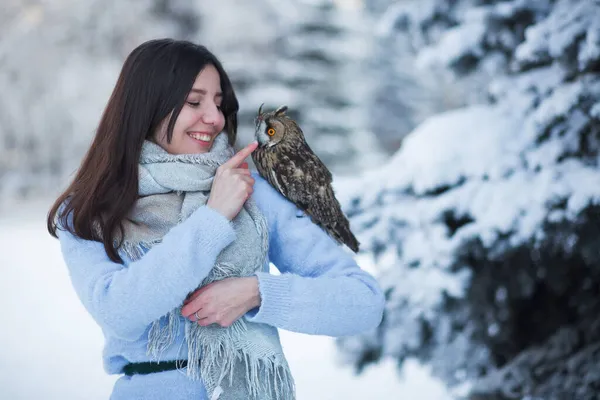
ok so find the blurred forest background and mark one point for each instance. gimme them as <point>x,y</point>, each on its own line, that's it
<point>464,137</point>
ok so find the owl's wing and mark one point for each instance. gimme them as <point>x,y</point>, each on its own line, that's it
<point>314,163</point>
<point>303,179</point>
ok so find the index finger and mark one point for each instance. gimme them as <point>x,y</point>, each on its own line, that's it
<point>240,156</point>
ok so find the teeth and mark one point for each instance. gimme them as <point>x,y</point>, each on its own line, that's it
<point>201,136</point>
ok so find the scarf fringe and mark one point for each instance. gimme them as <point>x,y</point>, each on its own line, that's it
<point>269,374</point>
<point>160,339</point>
<point>277,377</point>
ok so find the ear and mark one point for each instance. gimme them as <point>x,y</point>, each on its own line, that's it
<point>281,110</point>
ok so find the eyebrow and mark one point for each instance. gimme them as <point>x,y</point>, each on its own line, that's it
<point>203,92</point>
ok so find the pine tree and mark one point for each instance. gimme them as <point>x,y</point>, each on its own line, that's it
<point>485,225</point>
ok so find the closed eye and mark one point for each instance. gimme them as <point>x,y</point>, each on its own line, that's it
<point>193,104</point>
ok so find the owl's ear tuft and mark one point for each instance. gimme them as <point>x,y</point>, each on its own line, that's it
<point>281,110</point>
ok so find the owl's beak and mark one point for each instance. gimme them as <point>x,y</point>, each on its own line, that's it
<point>260,126</point>
<point>257,121</point>
<point>257,128</point>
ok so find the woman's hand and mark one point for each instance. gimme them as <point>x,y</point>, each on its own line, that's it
<point>222,302</point>
<point>232,185</point>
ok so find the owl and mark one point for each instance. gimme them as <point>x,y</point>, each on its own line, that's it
<point>284,159</point>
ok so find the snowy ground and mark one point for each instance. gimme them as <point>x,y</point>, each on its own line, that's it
<point>51,348</point>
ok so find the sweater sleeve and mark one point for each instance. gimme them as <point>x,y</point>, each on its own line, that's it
<point>321,290</point>
<point>125,299</point>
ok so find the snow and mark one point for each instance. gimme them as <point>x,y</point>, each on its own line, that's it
<point>489,184</point>
<point>553,38</point>
<point>557,105</point>
<point>595,111</point>
<point>59,345</point>
<point>453,146</point>
<point>467,39</point>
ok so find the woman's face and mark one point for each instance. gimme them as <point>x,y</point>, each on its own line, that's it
<point>200,119</point>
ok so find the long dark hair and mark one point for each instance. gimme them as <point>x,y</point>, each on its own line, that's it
<point>153,85</point>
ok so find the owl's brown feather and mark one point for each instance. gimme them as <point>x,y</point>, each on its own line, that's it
<point>292,168</point>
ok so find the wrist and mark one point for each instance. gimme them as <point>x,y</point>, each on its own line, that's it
<point>254,299</point>
<point>216,209</point>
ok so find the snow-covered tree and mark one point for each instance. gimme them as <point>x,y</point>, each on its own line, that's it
<point>403,95</point>
<point>485,225</point>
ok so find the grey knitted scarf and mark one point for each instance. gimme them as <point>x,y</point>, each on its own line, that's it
<point>242,361</point>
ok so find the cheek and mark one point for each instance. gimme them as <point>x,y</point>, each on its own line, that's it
<point>160,135</point>
<point>221,123</point>
<point>184,120</point>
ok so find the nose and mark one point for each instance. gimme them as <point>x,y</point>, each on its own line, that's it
<point>211,115</point>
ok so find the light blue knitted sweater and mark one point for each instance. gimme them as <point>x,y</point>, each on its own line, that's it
<point>321,290</point>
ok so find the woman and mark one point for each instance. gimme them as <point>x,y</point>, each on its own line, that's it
<point>168,239</point>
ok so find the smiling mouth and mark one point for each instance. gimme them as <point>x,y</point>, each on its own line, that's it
<point>203,137</point>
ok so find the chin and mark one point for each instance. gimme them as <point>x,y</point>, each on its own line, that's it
<point>202,151</point>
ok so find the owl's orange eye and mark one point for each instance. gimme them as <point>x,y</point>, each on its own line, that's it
<point>270,131</point>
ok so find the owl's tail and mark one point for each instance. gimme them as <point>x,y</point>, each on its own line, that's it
<point>342,233</point>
